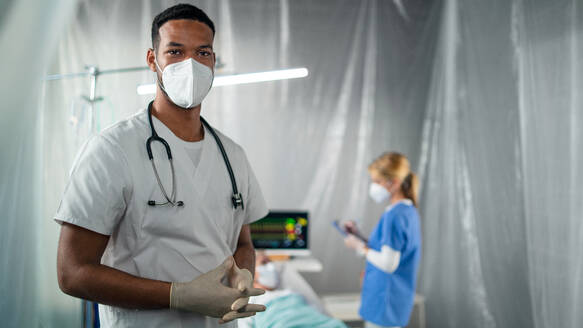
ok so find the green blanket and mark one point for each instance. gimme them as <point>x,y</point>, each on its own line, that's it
<point>291,311</point>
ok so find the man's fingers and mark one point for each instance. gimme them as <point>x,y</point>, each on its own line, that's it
<point>253,292</point>
<point>222,269</point>
<point>242,287</point>
<point>230,316</point>
<point>252,308</point>
<point>235,315</point>
<point>239,303</point>
<point>235,268</point>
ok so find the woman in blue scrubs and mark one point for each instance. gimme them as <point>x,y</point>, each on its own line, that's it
<point>393,250</point>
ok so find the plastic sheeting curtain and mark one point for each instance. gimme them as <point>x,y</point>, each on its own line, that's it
<point>501,158</point>
<point>30,298</point>
<point>482,96</point>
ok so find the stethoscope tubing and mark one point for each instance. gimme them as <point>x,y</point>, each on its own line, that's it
<point>237,198</point>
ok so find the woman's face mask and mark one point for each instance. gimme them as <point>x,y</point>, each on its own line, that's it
<point>186,83</point>
<point>378,193</point>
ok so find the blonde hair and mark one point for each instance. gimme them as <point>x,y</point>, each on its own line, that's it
<point>394,165</point>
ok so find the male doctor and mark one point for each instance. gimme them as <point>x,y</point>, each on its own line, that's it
<point>163,245</point>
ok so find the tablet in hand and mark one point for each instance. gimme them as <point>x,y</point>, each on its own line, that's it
<point>339,228</point>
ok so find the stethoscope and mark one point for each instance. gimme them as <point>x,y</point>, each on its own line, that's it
<point>237,198</point>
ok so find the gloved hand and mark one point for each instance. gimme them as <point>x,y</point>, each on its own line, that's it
<point>208,296</point>
<point>242,280</point>
<point>353,242</point>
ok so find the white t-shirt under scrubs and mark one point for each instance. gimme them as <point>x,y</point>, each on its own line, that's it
<point>110,185</point>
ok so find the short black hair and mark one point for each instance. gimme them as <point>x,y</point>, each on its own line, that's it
<point>180,11</point>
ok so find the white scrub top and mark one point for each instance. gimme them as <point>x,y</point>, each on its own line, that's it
<point>110,184</point>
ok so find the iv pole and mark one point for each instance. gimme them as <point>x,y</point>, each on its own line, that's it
<point>93,72</point>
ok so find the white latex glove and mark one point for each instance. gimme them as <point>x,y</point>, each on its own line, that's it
<point>242,280</point>
<point>358,245</point>
<point>208,296</point>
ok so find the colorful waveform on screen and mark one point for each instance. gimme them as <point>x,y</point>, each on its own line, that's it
<point>278,231</point>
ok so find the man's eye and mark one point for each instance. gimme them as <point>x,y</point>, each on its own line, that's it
<point>204,53</point>
<point>174,52</point>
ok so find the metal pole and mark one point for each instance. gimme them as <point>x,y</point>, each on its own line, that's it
<point>93,72</point>
<point>55,77</point>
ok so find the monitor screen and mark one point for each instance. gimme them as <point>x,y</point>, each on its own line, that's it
<point>281,230</point>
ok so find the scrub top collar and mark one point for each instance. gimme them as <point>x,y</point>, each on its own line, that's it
<point>167,134</point>
<point>405,201</point>
<point>182,161</point>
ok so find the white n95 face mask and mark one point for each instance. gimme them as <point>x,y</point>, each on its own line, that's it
<point>187,82</point>
<point>378,193</point>
<point>268,275</point>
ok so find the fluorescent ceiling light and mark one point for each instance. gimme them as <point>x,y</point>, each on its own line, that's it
<point>284,74</point>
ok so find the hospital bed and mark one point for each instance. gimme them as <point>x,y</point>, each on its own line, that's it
<point>291,280</point>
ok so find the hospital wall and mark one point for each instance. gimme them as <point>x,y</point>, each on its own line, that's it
<point>484,98</point>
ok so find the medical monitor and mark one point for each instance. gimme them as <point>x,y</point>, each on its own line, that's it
<point>282,232</point>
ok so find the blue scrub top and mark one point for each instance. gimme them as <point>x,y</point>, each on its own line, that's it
<point>387,298</point>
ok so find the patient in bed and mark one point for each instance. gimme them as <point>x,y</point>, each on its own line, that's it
<point>286,308</point>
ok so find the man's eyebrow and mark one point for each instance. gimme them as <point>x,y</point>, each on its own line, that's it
<point>174,44</point>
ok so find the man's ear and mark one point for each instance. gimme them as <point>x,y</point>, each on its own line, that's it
<point>150,59</point>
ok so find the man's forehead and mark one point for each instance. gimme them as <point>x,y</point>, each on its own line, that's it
<point>185,31</point>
